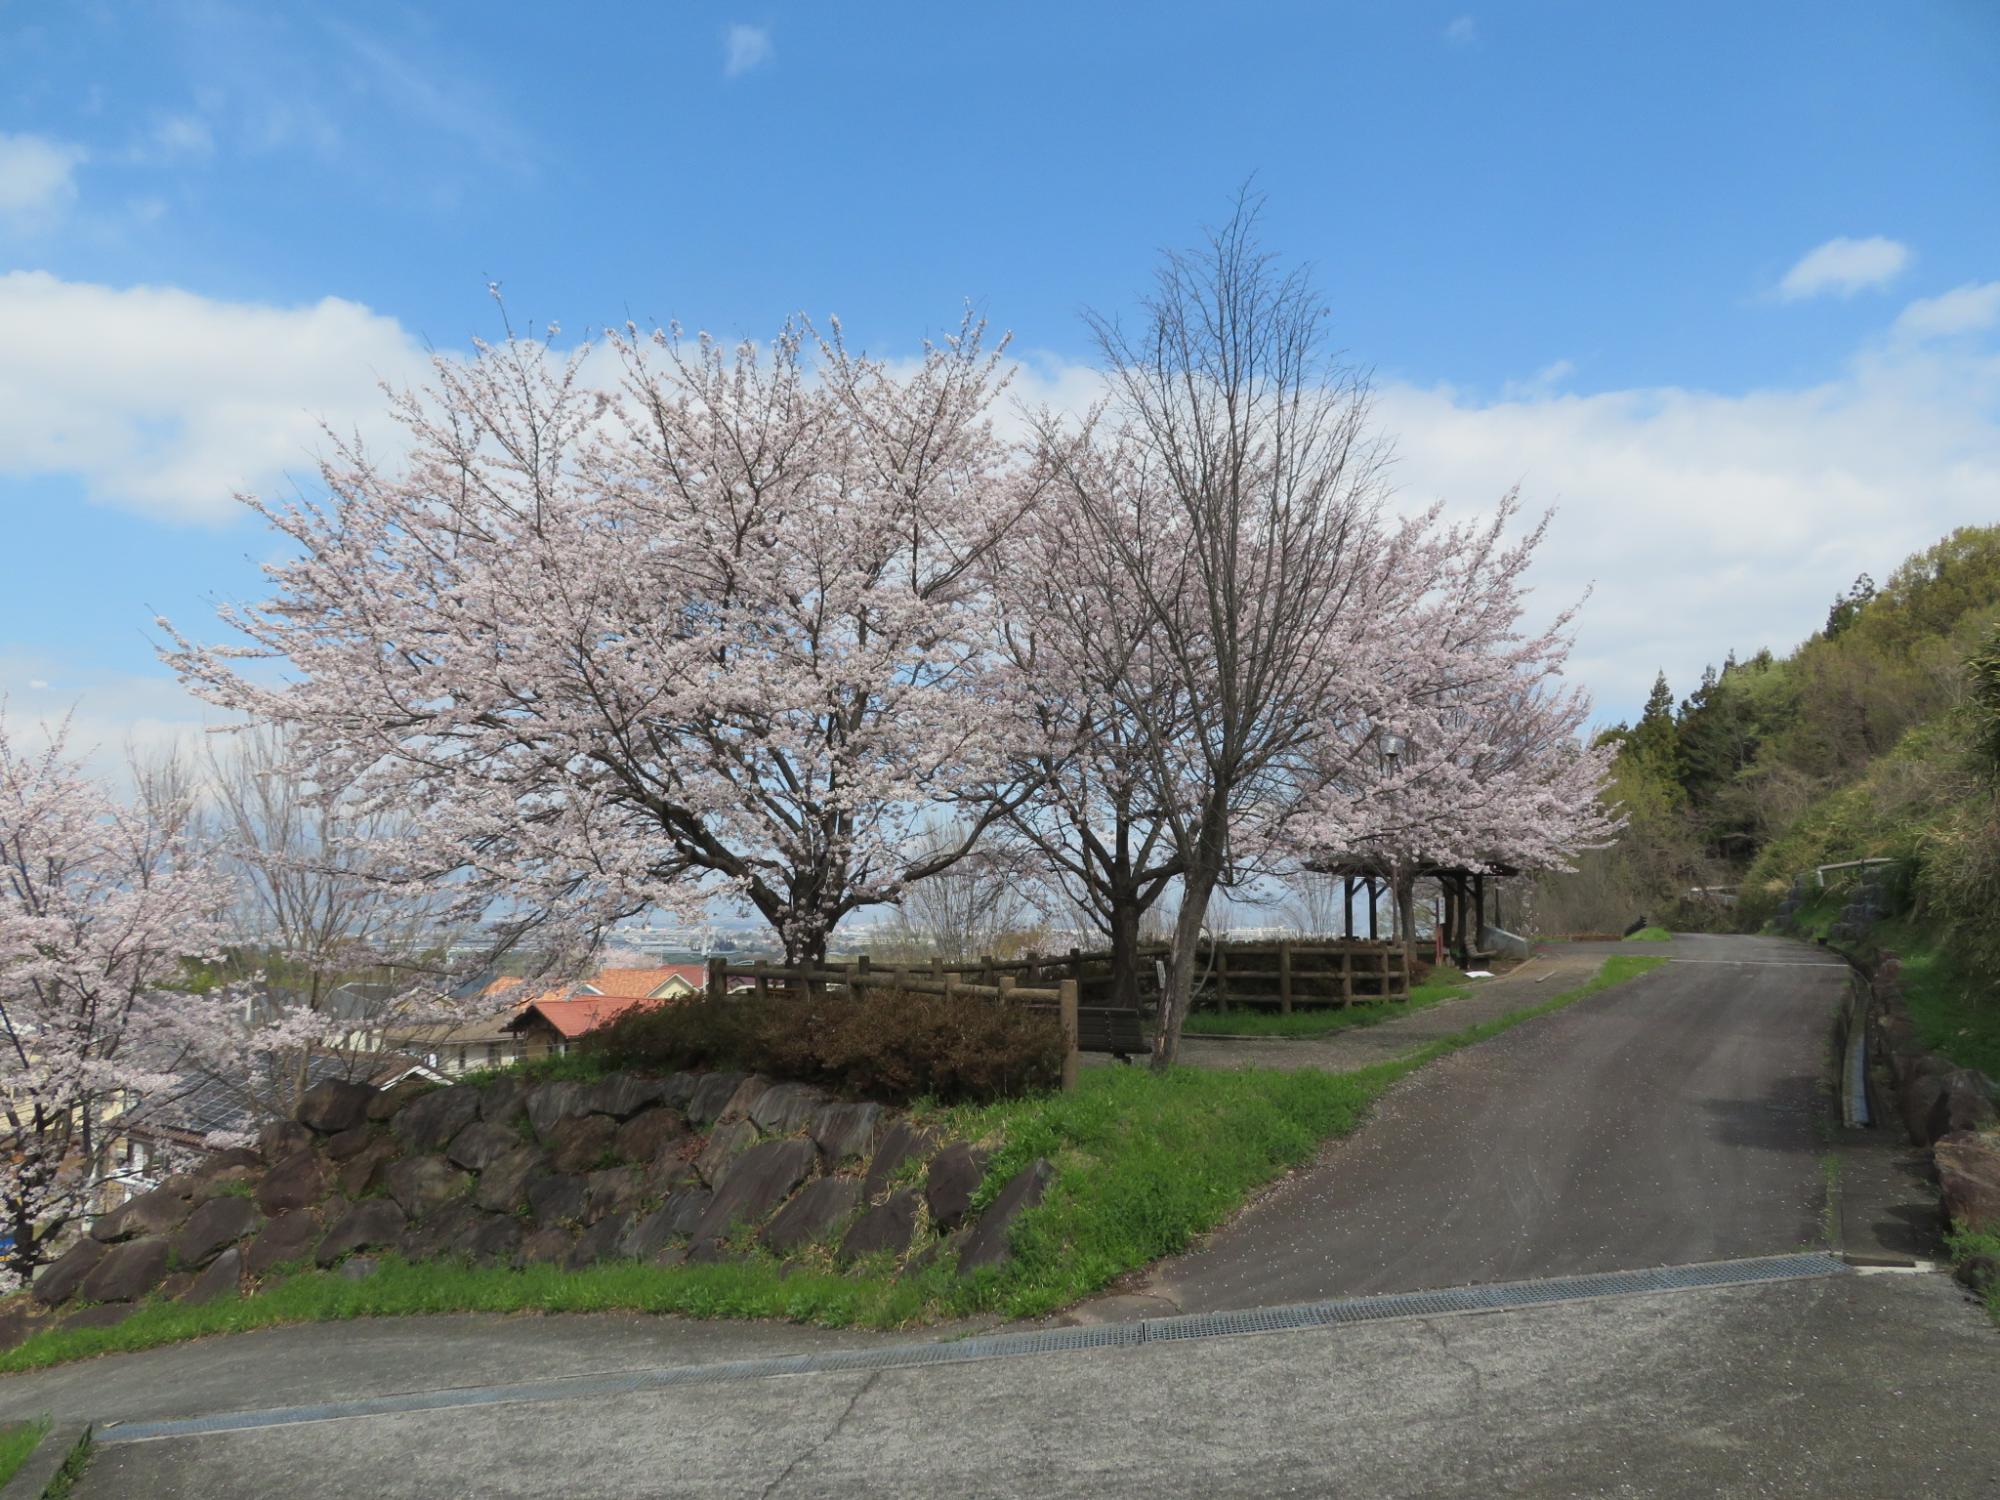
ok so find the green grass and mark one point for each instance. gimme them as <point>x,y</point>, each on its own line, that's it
<point>1649,935</point>
<point>63,1485</point>
<point>1965,1244</point>
<point>1820,910</point>
<point>1956,1011</point>
<point>18,1441</point>
<point>1144,1163</point>
<point>1445,983</point>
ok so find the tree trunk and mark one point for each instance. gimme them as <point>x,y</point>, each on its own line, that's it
<point>1406,913</point>
<point>1125,971</point>
<point>1196,888</point>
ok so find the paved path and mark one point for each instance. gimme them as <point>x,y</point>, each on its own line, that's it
<point>1838,1387</point>
<point>1669,1120</point>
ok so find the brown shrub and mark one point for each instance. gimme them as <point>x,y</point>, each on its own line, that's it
<point>891,1045</point>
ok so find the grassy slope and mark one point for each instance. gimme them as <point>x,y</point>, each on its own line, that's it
<point>1957,1011</point>
<point>1445,983</point>
<point>18,1440</point>
<point>1144,1162</point>
<point>1650,935</point>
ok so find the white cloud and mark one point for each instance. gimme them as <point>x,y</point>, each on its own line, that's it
<point>1842,267</point>
<point>168,403</point>
<point>1967,309</point>
<point>1462,32</point>
<point>744,48</point>
<point>1707,521</point>
<point>37,181</point>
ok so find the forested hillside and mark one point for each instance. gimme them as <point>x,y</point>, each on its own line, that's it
<point>1877,737</point>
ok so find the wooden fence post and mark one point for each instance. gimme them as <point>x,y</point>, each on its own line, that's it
<point>1284,978</point>
<point>1066,1007</point>
<point>718,978</point>
<point>1221,977</point>
<point>858,986</point>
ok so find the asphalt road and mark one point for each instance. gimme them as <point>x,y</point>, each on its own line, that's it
<point>1674,1119</point>
<point>1845,1386</point>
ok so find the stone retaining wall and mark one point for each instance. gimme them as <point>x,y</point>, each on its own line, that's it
<point>1943,1106</point>
<point>688,1169</point>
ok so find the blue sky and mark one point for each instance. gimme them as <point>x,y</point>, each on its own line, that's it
<point>1720,282</point>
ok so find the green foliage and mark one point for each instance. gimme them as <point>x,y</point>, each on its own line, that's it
<point>891,1045</point>
<point>1964,1244</point>
<point>1445,983</point>
<point>1983,704</point>
<point>1847,607</point>
<point>578,1067</point>
<point>1649,935</point>
<point>18,1441</point>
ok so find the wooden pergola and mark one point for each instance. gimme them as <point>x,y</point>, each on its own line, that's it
<point>1464,890</point>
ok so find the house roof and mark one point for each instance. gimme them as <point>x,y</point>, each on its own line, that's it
<point>572,1018</point>
<point>646,983</point>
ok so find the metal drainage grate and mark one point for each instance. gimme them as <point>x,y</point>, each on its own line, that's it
<point>1016,1345</point>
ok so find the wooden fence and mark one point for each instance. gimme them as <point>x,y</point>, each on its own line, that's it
<point>1284,975</point>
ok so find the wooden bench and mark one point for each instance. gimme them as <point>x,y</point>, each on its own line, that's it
<point>1109,1028</point>
<point>1106,1028</point>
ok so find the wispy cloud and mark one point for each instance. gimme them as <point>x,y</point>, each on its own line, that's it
<point>1971,308</point>
<point>181,138</point>
<point>37,182</point>
<point>1841,267</point>
<point>744,48</point>
<point>1462,32</point>
<point>437,98</point>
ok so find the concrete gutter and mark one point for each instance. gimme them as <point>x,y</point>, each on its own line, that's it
<point>1854,1054</point>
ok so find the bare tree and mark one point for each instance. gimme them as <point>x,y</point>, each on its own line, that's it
<point>969,906</point>
<point>314,911</point>
<point>1314,903</point>
<point>1234,489</point>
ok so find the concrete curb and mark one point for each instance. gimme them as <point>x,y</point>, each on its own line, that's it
<point>32,1479</point>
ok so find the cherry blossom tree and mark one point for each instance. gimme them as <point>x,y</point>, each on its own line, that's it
<point>1490,766</point>
<point>106,913</point>
<point>1091,688</point>
<point>722,630</point>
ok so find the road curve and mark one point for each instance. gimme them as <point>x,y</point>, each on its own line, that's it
<point>1671,1120</point>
